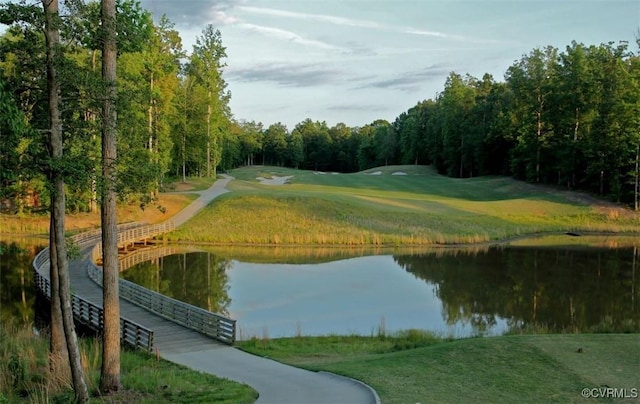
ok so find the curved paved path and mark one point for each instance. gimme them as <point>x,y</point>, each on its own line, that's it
<point>275,382</point>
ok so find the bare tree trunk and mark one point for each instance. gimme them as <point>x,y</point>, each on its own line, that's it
<point>209,135</point>
<point>91,116</point>
<point>637,185</point>
<point>538,140</point>
<point>110,372</point>
<point>59,261</point>
<point>150,118</point>
<point>57,343</point>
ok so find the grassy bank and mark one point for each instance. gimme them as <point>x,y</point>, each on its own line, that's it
<point>415,367</point>
<point>25,376</point>
<point>380,208</point>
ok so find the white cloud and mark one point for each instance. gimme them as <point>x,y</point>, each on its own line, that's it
<point>317,17</point>
<point>351,22</point>
<point>222,18</point>
<point>289,36</point>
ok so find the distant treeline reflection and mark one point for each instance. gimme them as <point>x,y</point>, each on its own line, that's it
<point>536,289</point>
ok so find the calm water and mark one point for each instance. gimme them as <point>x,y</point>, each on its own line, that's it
<point>450,292</point>
<point>17,290</point>
<point>284,292</point>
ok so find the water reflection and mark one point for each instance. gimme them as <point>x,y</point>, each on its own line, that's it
<point>17,289</point>
<point>485,290</point>
<point>559,290</point>
<point>198,278</point>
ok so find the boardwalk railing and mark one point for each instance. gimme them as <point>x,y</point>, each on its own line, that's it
<point>203,321</point>
<point>144,255</point>
<point>129,236</point>
<point>93,235</point>
<point>90,314</point>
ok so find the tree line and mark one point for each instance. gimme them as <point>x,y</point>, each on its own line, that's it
<point>569,118</point>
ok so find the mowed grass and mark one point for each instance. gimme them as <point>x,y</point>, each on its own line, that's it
<point>379,207</point>
<point>521,368</point>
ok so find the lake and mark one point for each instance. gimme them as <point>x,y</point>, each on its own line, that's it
<point>312,291</point>
<point>451,292</point>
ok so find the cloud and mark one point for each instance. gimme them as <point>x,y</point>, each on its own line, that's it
<point>289,36</point>
<point>409,81</point>
<point>285,75</point>
<point>350,22</point>
<point>193,13</point>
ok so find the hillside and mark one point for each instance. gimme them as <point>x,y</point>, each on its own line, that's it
<point>396,205</point>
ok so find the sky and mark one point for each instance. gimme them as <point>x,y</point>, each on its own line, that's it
<point>355,61</point>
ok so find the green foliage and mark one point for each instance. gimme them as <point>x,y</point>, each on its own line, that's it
<point>27,14</point>
<point>73,250</point>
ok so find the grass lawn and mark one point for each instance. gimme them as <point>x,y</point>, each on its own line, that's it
<point>380,208</point>
<point>518,368</point>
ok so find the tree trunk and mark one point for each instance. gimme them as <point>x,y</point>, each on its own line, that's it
<point>150,119</point>
<point>110,372</point>
<point>209,134</point>
<point>538,141</point>
<point>57,343</point>
<point>184,158</point>
<point>637,185</point>
<point>59,261</point>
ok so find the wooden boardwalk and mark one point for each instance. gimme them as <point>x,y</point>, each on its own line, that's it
<point>168,336</point>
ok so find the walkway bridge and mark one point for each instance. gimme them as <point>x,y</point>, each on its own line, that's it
<point>136,330</point>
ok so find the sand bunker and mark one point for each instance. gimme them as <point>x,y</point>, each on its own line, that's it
<point>375,173</point>
<point>398,173</point>
<point>274,180</point>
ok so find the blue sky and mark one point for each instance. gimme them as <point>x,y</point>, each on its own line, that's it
<point>354,61</point>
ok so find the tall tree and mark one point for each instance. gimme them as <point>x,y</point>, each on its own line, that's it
<point>58,258</point>
<point>110,371</point>
<point>531,80</point>
<point>275,144</point>
<point>251,142</point>
<point>458,101</point>
<point>295,149</point>
<point>340,134</point>
<point>386,144</point>
<point>206,65</point>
